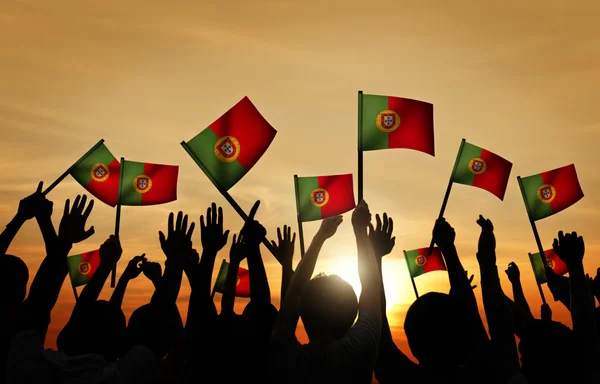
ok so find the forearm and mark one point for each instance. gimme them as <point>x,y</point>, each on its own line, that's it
<point>10,232</point>
<point>228,299</point>
<point>119,292</point>
<point>48,233</point>
<point>92,289</point>
<point>259,283</point>
<point>582,307</point>
<point>288,314</point>
<point>202,281</point>
<point>166,295</point>
<point>499,321</point>
<point>519,298</point>
<point>286,276</point>
<point>368,272</point>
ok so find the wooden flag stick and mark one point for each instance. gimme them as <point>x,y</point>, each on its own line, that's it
<point>113,276</point>
<point>225,194</point>
<point>412,280</point>
<point>300,229</point>
<point>536,281</point>
<point>536,235</point>
<point>68,171</point>
<point>360,151</point>
<point>448,189</point>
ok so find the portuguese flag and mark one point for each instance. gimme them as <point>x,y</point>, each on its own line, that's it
<point>242,285</point>
<point>550,192</point>
<point>82,267</point>
<point>552,261</point>
<point>483,169</point>
<point>419,263</point>
<point>147,184</point>
<point>387,122</point>
<point>230,146</point>
<point>98,172</point>
<point>320,197</point>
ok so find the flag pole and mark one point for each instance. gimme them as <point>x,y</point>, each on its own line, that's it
<point>536,235</point>
<point>360,151</point>
<point>537,282</point>
<point>300,229</point>
<point>225,194</point>
<point>113,277</point>
<point>412,280</point>
<point>68,171</point>
<point>212,294</point>
<point>448,189</point>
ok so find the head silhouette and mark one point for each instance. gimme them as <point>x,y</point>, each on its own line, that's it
<point>436,328</point>
<point>154,328</point>
<point>328,307</point>
<point>98,327</point>
<point>544,343</point>
<point>14,276</point>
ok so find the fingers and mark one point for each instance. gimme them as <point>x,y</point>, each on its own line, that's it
<point>170,228</point>
<point>279,237</point>
<point>208,216</point>
<point>202,224</point>
<point>393,241</point>
<point>273,243</point>
<point>88,210</point>
<point>561,237</point>
<point>253,210</point>
<point>371,228</point>
<point>184,224</point>
<point>378,221</point>
<point>87,234</point>
<point>82,204</point>
<point>67,204</point>
<point>179,221</point>
<point>213,207</point>
<point>220,217</point>
<point>190,231</point>
<point>391,226</point>
<point>39,187</point>
<point>385,222</point>
<point>226,235</point>
<point>75,205</point>
<point>162,239</point>
<point>240,237</point>
<point>294,239</point>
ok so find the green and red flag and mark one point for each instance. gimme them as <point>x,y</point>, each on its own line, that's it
<point>82,267</point>
<point>550,192</point>
<point>393,122</point>
<point>552,261</point>
<point>320,197</point>
<point>242,284</point>
<point>230,146</point>
<point>419,263</point>
<point>98,172</point>
<point>147,184</point>
<point>483,169</point>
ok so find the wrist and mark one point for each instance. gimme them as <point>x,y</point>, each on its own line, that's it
<point>575,267</point>
<point>17,221</point>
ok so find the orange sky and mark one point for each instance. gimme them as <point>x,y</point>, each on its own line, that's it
<point>521,79</point>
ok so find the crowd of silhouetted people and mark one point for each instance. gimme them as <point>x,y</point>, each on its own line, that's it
<point>349,337</point>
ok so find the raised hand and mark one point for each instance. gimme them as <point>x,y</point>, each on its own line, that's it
<point>285,245</point>
<point>513,273</point>
<point>570,248</point>
<point>237,252</point>
<point>361,216</point>
<point>134,267</point>
<point>177,245</point>
<point>72,225</point>
<point>329,226</point>
<point>211,233</point>
<point>32,205</point>
<point>110,251</point>
<point>470,280</point>
<point>487,242</point>
<point>381,235</point>
<point>153,271</point>
<point>443,234</point>
<point>191,262</point>
<point>253,231</point>
<point>546,312</point>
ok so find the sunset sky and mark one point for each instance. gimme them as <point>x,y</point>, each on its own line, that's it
<point>521,79</point>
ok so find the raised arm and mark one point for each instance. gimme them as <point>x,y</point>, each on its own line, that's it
<point>287,319</point>
<point>133,270</point>
<point>29,207</point>
<point>237,253</point>
<point>514,276</point>
<point>152,271</point>
<point>253,233</point>
<point>284,253</point>
<point>177,246</point>
<point>570,248</point>
<point>496,308</point>
<point>49,278</point>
